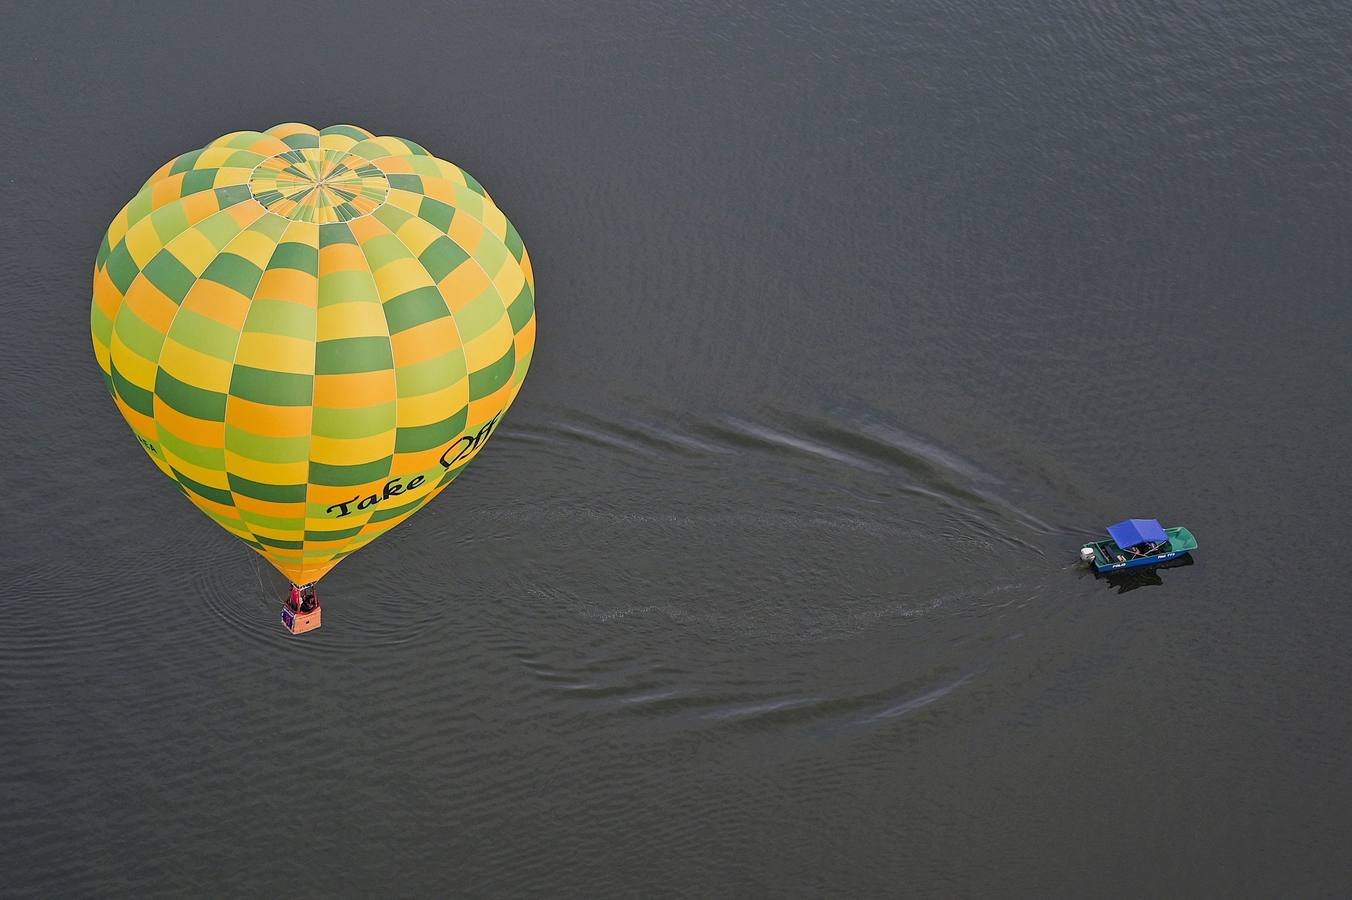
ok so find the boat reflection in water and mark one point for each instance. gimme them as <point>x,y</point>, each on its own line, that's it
<point>1145,576</point>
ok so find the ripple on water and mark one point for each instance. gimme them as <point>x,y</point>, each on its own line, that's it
<point>247,598</point>
<point>902,460</point>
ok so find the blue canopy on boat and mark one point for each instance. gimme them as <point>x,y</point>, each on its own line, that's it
<point>1130,532</point>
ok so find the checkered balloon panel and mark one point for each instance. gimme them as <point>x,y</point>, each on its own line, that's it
<point>312,332</point>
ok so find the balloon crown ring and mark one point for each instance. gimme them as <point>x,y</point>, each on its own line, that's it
<point>318,185</point>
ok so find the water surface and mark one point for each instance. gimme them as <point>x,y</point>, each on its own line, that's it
<point>854,323</point>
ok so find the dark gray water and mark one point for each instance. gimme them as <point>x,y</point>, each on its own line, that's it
<point>855,320</point>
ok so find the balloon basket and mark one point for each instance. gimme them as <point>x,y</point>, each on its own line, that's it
<point>300,622</point>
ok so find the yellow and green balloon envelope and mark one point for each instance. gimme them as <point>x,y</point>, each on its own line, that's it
<point>312,332</point>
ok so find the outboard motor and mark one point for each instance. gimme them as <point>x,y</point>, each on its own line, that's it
<point>1087,554</point>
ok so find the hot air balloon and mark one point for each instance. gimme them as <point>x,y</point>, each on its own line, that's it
<point>312,332</point>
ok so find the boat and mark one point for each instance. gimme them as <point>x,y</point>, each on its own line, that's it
<point>1137,542</point>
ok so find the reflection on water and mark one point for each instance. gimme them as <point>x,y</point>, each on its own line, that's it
<point>1144,576</point>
